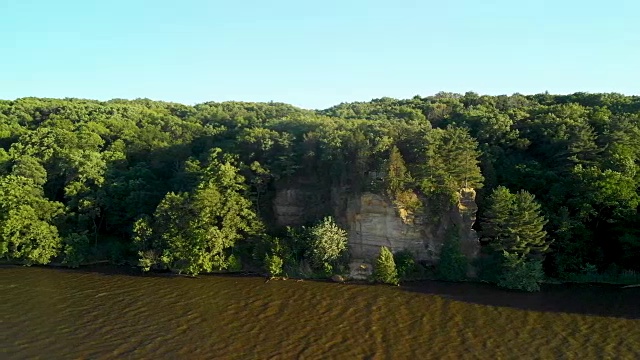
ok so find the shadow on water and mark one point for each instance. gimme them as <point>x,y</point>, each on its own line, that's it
<point>585,299</point>
<point>597,300</point>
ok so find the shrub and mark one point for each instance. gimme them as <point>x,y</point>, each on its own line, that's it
<point>453,263</point>
<point>116,252</point>
<point>273,265</point>
<point>385,269</point>
<point>234,263</point>
<point>489,265</point>
<point>520,274</point>
<point>327,243</point>
<point>589,269</point>
<point>148,259</point>
<point>76,249</point>
<point>405,264</point>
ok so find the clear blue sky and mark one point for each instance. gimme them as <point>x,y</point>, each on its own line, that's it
<point>315,54</point>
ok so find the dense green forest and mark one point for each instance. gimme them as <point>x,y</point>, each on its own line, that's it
<point>190,188</point>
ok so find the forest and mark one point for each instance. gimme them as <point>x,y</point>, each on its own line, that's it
<point>166,186</point>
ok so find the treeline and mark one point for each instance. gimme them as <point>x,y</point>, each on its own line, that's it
<point>190,188</point>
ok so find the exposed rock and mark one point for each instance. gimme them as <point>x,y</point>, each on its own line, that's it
<point>337,278</point>
<point>299,205</point>
<point>360,269</point>
<point>375,222</point>
<point>467,209</point>
<point>372,221</point>
<point>289,207</point>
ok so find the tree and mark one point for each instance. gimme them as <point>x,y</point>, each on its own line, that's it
<point>406,265</point>
<point>385,269</point>
<point>109,163</point>
<point>397,177</point>
<point>453,263</point>
<point>191,232</point>
<point>327,243</point>
<point>514,224</point>
<point>487,125</point>
<point>452,162</point>
<point>27,231</point>
<point>29,167</point>
<point>521,274</point>
<point>76,248</point>
<point>514,228</point>
<point>259,180</point>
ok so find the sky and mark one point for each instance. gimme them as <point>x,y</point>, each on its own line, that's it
<point>315,54</point>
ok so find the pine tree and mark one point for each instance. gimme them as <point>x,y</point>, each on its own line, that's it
<point>385,269</point>
<point>520,274</point>
<point>514,227</point>
<point>397,174</point>
<point>452,161</point>
<point>513,224</point>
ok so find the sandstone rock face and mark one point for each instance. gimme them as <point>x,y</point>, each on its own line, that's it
<point>300,205</point>
<point>289,207</point>
<point>372,221</point>
<point>466,215</point>
<point>360,269</point>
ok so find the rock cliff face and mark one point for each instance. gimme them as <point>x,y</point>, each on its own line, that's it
<point>466,216</point>
<point>372,221</point>
<point>294,206</point>
<point>289,207</point>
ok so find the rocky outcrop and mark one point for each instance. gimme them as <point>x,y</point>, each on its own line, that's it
<point>360,269</point>
<point>289,207</point>
<point>466,217</point>
<point>295,206</point>
<point>372,221</point>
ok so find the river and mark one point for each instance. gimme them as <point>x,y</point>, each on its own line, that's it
<point>106,313</point>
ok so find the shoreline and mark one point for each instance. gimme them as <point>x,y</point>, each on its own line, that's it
<point>105,267</point>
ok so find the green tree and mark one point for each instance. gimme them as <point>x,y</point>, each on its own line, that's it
<point>27,231</point>
<point>514,227</point>
<point>397,177</point>
<point>76,249</point>
<point>327,243</point>
<point>192,232</point>
<point>259,180</point>
<point>452,162</point>
<point>406,265</point>
<point>453,263</point>
<point>520,274</point>
<point>385,269</point>
<point>514,224</point>
<point>108,163</point>
<point>29,167</point>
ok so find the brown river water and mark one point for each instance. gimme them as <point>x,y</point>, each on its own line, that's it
<point>105,313</point>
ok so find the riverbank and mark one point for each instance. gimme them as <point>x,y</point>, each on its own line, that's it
<point>104,267</point>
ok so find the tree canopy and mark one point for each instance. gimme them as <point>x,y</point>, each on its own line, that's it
<point>80,179</point>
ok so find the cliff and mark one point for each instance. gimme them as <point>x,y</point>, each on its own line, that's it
<point>373,220</point>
